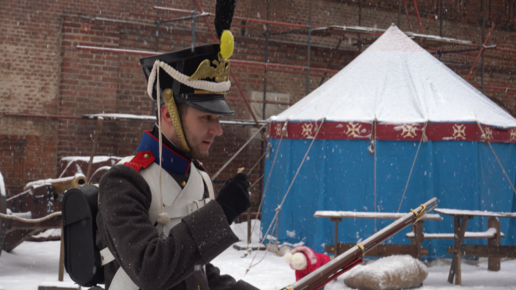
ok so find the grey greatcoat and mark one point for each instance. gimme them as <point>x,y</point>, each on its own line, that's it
<point>175,262</point>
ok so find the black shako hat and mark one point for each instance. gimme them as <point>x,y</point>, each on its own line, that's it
<point>198,77</point>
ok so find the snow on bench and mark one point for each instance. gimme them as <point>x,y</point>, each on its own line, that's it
<point>370,215</point>
<point>490,233</point>
<point>456,212</point>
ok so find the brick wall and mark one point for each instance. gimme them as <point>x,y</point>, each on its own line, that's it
<point>45,76</point>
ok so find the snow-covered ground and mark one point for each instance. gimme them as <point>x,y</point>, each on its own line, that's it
<point>36,263</point>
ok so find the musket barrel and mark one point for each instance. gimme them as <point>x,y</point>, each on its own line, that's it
<point>321,274</point>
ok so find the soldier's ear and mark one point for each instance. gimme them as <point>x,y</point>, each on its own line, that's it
<point>165,115</point>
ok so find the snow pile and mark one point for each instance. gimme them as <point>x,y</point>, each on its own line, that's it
<point>50,234</point>
<point>240,231</point>
<point>394,272</point>
<point>36,263</point>
<point>2,185</point>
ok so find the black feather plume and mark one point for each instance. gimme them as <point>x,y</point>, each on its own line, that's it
<point>224,15</point>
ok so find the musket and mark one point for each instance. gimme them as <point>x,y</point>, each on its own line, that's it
<point>354,256</point>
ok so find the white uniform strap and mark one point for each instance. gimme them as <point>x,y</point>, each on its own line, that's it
<point>122,281</point>
<point>106,256</point>
<point>209,184</point>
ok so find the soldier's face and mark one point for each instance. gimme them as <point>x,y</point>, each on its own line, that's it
<point>200,130</point>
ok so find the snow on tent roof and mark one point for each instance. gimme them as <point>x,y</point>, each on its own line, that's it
<point>397,81</point>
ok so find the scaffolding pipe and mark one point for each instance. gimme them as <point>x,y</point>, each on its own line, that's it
<point>460,51</point>
<point>262,69</point>
<point>239,63</point>
<point>283,66</point>
<point>307,84</point>
<point>505,49</point>
<point>193,29</point>
<point>497,88</point>
<point>482,54</point>
<point>331,59</point>
<point>314,28</point>
<point>441,19</point>
<point>241,18</point>
<point>36,116</point>
<point>265,73</point>
<point>418,18</point>
<point>259,101</point>
<point>481,51</point>
<point>184,18</point>
<point>406,13</point>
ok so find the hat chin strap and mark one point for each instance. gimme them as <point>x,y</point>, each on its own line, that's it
<point>168,98</point>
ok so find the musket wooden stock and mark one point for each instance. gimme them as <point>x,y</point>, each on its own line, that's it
<point>327,272</point>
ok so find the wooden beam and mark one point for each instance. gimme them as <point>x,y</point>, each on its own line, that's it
<point>485,251</point>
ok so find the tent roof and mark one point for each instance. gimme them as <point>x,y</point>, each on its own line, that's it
<point>397,81</point>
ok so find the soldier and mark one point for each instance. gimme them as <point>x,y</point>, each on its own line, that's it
<point>159,224</point>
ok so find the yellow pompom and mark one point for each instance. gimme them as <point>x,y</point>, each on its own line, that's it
<point>226,44</point>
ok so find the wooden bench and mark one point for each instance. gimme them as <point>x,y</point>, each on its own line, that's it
<point>383,250</point>
<point>493,251</point>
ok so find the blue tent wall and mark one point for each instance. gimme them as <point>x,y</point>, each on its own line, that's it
<point>339,175</point>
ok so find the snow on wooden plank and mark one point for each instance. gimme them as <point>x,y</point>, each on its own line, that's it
<point>370,215</point>
<point>490,233</point>
<point>461,212</point>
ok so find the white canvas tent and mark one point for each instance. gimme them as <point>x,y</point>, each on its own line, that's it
<point>394,112</point>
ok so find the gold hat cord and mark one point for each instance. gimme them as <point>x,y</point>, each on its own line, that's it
<point>168,97</point>
<point>163,218</point>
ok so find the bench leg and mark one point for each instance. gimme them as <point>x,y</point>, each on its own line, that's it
<point>493,264</point>
<point>460,224</point>
<point>336,221</point>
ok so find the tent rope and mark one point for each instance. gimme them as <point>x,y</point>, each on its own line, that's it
<point>278,209</point>
<point>283,133</point>
<point>423,138</point>
<point>487,140</point>
<point>238,152</point>
<point>254,166</point>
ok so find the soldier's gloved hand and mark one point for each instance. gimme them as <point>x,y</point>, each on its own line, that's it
<point>233,197</point>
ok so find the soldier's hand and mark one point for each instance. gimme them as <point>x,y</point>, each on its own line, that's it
<point>233,197</point>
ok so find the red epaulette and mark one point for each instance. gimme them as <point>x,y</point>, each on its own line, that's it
<point>141,160</point>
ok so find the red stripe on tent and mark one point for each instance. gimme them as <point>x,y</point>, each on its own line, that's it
<point>408,132</point>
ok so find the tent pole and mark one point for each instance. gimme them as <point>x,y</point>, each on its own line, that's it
<point>375,148</point>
